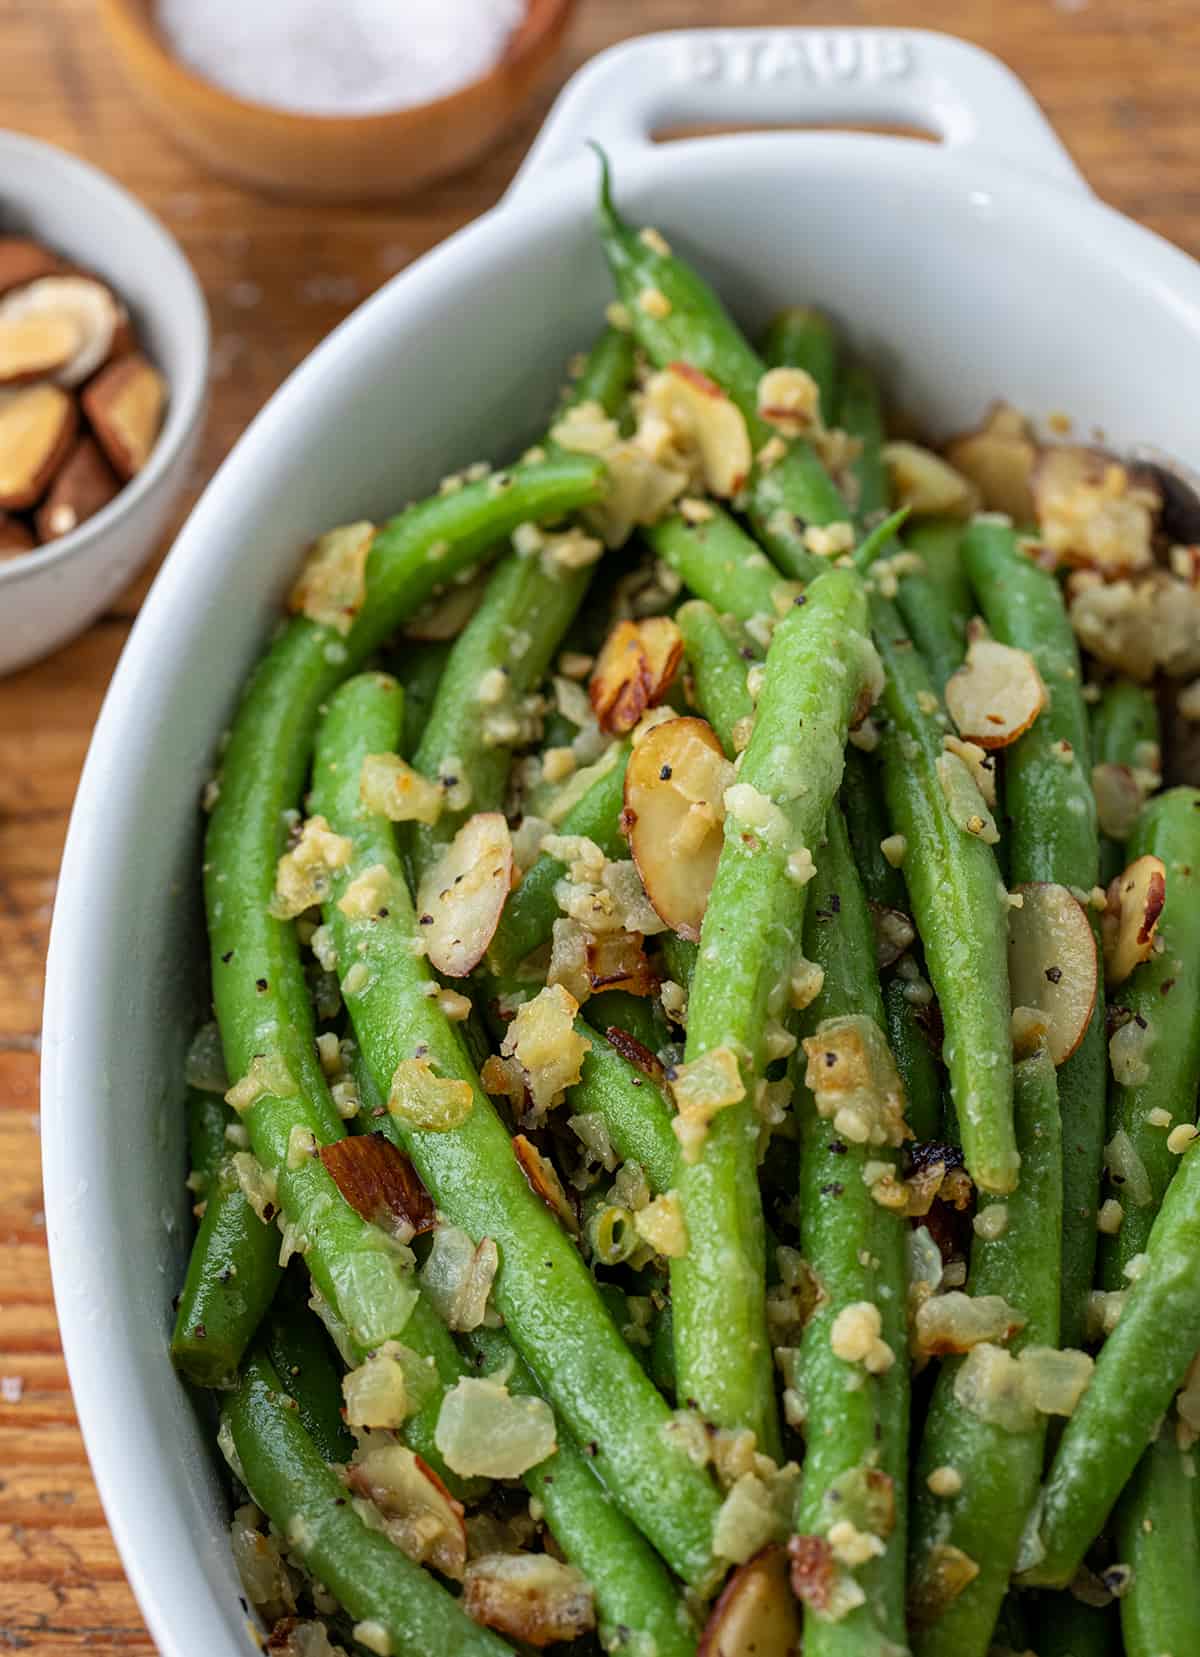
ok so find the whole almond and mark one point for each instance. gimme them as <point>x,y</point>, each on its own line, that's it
<point>35,347</point>
<point>124,404</point>
<point>88,305</point>
<point>24,261</point>
<point>15,538</point>
<point>36,428</point>
<point>85,483</point>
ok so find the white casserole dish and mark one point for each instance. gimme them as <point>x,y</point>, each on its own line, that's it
<point>978,267</point>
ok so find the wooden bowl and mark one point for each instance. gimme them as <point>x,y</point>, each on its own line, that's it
<point>322,157</point>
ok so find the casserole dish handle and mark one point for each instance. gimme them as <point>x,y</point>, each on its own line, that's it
<point>770,77</point>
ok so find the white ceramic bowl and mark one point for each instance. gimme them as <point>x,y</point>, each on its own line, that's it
<point>49,595</point>
<point>978,267</point>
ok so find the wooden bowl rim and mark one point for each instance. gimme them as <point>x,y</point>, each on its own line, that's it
<point>130,24</point>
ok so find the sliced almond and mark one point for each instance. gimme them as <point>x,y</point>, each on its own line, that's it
<point>1129,923</point>
<point>704,419</point>
<point>36,428</point>
<point>125,407</point>
<point>380,1183</point>
<point>23,261</point>
<point>85,484</point>
<point>1052,969</point>
<point>924,482</point>
<point>1095,513</point>
<point>996,695</point>
<point>634,1053</point>
<point>543,1179</point>
<point>617,961</point>
<point>634,671</point>
<point>460,899</point>
<point>756,1614</point>
<point>999,460</point>
<point>419,1514</point>
<point>531,1597</point>
<point>15,537</point>
<point>674,818</point>
<point>78,303</point>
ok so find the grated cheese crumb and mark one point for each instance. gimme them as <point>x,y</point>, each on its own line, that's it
<point>945,1481</point>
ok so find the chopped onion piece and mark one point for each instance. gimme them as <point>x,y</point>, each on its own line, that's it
<point>484,1430</point>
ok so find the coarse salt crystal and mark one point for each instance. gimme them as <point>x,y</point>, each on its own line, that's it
<point>359,57</point>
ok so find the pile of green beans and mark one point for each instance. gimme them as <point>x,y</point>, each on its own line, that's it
<point>800,1261</point>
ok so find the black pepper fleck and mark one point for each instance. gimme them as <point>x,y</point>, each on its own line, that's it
<point>833,1189</point>
<point>260,984</point>
<point>227,957</point>
<point>665,773</point>
<point>1054,974</point>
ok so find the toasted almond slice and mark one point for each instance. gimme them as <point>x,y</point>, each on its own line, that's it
<point>999,459</point>
<point>461,897</point>
<point>420,1516</point>
<point>543,1179</point>
<point>996,695</point>
<point>125,406</point>
<point>705,417</point>
<point>923,481</point>
<point>674,816</point>
<point>23,261</point>
<point>617,961</point>
<point>1052,967</point>
<point>632,1050</point>
<point>529,1596</point>
<point>1094,512</point>
<point>15,537</point>
<point>36,428</point>
<point>380,1183</point>
<point>634,671</point>
<point>1129,923</point>
<point>85,484</point>
<point>756,1614</point>
<point>80,303</point>
<point>35,347</point>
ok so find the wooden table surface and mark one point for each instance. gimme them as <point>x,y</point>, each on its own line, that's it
<point>1118,79</point>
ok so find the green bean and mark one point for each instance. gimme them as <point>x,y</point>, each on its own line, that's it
<point>915,1060</point>
<point>868,827</point>
<point>635,1113</point>
<point>503,652</point>
<point>718,669</point>
<point>856,1422</point>
<point>504,649</point>
<point>960,908</point>
<point>259,984</point>
<point>679,957</point>
<point>1125,731</point>
<point>1162,999</point>
<point>605,378</point>
<point>936,602</point>
<point>695,328</point>
<point>298,1348</point>
<point>542,1289</point>
<point>1052,835</point>
<point>802,336</point>
<point>720,563</point>
<point>1156,1539</point>
<point>640,1016</point>
<point>1066,1627</point>
<point>529,915</point>
<point>998,1466</point>
<point>860,413</point>
<point>751,932</point>
<point>419,668</point>
<point>640,1610</point>
<point>233,1268</point>
<point>1139,1367</point>
<point>287,1476</point>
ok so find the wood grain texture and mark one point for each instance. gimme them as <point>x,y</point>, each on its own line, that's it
<point>1117,77</point>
